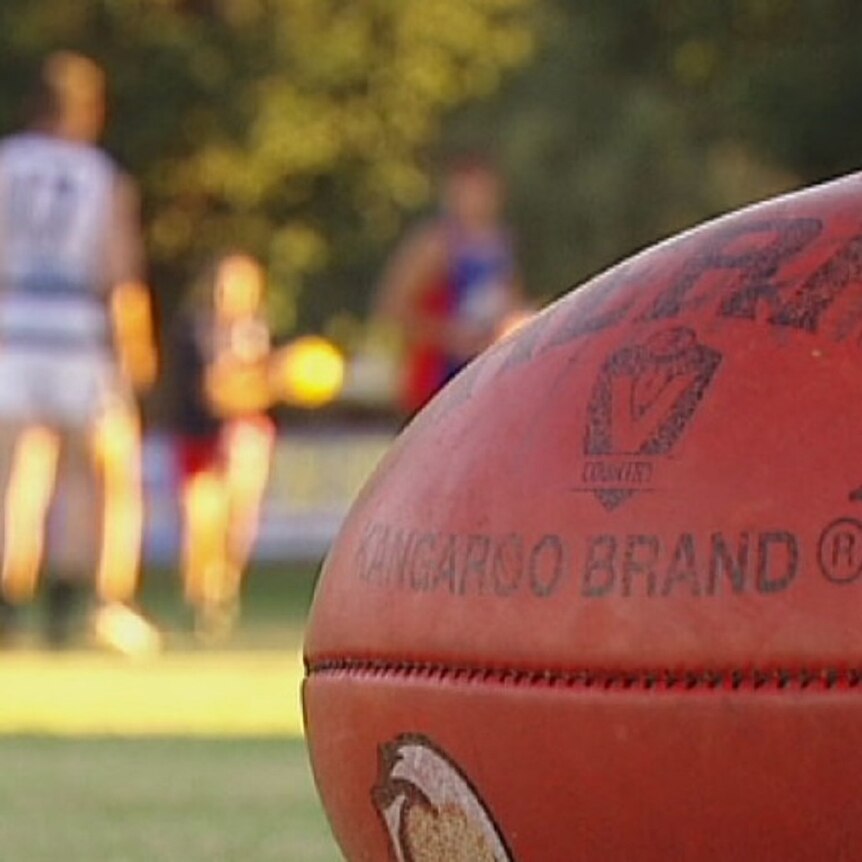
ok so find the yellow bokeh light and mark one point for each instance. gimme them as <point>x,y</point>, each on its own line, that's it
<point>309,372</point>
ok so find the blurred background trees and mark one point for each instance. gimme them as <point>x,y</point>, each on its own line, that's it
<point>307,131</point>
<point>294,129</point>
<point>635,120</point>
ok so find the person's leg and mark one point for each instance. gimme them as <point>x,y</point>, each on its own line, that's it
<point>118,452</point>
<point>28,472</point>
<point>204,557</point>
<point>249,456</point>
<point>26,480</point>
<point>204,529</point>
<point>77,534</point>
<point>12,592</point>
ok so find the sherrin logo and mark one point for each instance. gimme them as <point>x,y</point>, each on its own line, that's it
<point>429,808</point>
<point>643,399</point>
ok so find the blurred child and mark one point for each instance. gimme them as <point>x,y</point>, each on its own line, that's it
<point>222,351</point>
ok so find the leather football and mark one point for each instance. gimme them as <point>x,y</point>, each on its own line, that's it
<point>602,600</point>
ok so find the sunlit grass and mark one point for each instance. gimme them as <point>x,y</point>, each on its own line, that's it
<point>248,686</point>
<point>188,756</point>
<point>183,693</point>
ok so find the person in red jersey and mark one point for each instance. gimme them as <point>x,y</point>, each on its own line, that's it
<point>453,284</point>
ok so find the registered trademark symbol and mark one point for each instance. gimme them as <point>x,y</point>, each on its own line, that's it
<point>839,551</point>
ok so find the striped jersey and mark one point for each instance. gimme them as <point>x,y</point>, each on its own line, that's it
<point>56,205</point>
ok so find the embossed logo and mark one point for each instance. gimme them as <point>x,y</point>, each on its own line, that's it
<point>643,399</point>
<point>429,808</point>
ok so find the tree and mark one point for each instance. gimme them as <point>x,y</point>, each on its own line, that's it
<point>290,128</point>
<point>637,120</point>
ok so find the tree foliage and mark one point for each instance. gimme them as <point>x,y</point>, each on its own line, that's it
<point>639,119</point>
<point>295,129</point>
<point>303,130</point>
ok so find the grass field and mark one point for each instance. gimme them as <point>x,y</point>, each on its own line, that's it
<point>171,800</point>
<point>193,755</point>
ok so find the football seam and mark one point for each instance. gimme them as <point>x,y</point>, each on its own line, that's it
<point>733,679</point>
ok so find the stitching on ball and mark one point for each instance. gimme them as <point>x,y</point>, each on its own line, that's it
<point>731,679</point>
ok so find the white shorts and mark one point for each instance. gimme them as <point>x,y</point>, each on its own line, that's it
<point>65,389</point>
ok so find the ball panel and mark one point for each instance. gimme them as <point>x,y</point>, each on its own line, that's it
<point>656,479</point>
<point>598,775</point>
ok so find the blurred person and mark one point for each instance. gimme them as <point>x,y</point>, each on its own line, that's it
<point>75,337</point>
<point>222,350</point>
<point>453,284</point>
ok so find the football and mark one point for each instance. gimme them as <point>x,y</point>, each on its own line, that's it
<point>602,600</point>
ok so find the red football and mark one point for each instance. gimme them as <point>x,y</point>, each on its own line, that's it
<point>603,599</point>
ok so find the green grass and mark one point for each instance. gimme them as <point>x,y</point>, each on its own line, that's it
<point>275,602</point>
<point>171,800</point>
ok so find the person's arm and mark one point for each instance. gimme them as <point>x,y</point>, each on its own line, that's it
<point>131,306</point>
<point>417,266</point>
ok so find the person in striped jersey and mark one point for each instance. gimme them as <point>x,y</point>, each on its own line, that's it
<point>75,339</point>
